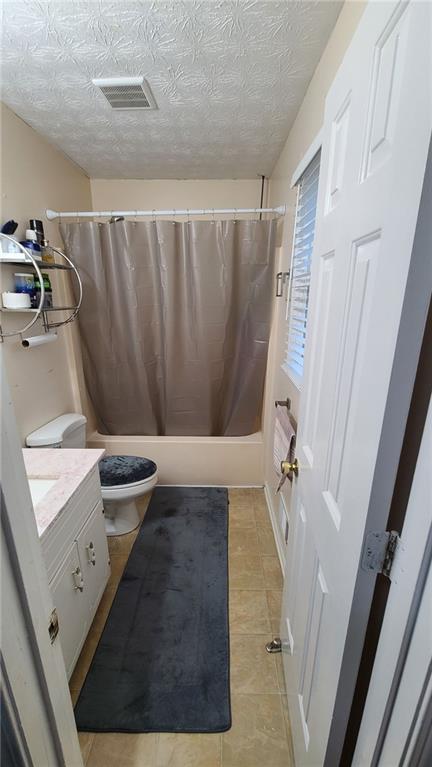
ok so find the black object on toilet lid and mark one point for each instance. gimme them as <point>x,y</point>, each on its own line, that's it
<point>124,469</point>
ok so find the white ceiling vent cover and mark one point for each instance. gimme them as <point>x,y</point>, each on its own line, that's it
<point>126,92</point>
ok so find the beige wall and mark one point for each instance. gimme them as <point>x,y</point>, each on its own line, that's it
<point>135,194</point>
<point>307,125</point>
<point>36,176</point>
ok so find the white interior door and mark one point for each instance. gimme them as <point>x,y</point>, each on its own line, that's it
<point>405,645</point>
<point>375,139</point>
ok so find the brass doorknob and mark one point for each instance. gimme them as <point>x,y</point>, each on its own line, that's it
<point>287,467</point>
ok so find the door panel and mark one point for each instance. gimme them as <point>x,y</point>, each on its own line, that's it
<point>71,606</point>
<point>93,553</point>
<point>375,141</point>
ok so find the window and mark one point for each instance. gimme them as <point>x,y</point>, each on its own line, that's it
<point>304,233</point>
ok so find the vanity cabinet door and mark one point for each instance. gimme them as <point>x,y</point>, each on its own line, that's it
<point>68,592</point>
<point>93,552</point>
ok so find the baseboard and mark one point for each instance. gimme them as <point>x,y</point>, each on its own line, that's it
<point>271,511</point>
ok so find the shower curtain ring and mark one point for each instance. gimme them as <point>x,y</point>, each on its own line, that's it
<point>188,215</point>
<point>235,215</point>
<point>174,214</point>
<point>153,215</point>
<point>136,216</point>
<point>213,214</point>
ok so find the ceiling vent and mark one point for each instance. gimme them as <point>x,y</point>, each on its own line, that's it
<point>126,92</point>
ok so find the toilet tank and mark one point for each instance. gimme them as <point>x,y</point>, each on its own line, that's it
<point>68,430</point>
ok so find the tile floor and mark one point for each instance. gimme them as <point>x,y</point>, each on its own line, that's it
<point>260,735</point>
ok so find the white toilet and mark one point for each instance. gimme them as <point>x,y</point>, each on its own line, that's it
<point>124,478</point>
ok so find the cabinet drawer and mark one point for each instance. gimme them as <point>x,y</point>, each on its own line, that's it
<point>57,541</point>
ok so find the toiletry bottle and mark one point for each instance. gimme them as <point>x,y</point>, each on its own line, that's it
<point>37,227</point>
<point>47,254</point>
<point>48,290</point>
<point>25,283</point>
<point>31,244</point>
<point>48,299</point>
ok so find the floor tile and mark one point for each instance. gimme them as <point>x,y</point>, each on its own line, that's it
<point>83,664</point>
<point>103,610</point>
<point>274,601</point>
<point>119,749</point>
<point>257,738</point>
<point>261,512</point>
<point>249,612</point>
<point>252,669</point>
<point>121,545</point>
<point>243,541</point>
<point>272,572</point>
<point>118,564</point>
<point>266,541</point>
<point>275,627</point>
<point>86,742</point>
<point>182,750</point>
<point>246,572</point>
<point>241,516</point>
<point>241,495</point>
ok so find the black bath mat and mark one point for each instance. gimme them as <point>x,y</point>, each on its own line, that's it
<point>162,663</point>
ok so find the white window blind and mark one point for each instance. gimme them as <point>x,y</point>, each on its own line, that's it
<point>304,234</point>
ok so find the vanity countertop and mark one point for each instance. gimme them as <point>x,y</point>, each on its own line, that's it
<point>69,467</point>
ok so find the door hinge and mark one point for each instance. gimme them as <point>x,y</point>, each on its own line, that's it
<point>53,626</point>
<point>380,551</point>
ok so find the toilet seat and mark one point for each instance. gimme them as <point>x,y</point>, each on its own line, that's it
<point>125,470</point>
<point>119,494</point>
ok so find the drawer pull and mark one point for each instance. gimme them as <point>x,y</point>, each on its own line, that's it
<point>78,579</point>
<point>91,553</point>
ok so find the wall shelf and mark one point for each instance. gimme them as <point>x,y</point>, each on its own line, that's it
<point>41,312</point>
<point>42,264</point>
<point>44,309</point>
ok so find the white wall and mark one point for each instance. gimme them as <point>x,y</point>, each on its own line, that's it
<point>36,176</point>
<point>305,128</point>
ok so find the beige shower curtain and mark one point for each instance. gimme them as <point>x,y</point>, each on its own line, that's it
<point>175,323</point>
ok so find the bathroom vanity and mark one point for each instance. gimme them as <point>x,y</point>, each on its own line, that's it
<point>67,501</point>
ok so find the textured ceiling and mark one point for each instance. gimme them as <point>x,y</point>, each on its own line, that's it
<point>228,78</point>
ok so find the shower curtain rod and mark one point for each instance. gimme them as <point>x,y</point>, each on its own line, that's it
<point>52,214</point>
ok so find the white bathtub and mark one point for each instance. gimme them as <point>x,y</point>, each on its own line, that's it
<point>231,461</point>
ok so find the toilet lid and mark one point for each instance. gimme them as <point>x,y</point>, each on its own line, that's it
<point>124,469</point>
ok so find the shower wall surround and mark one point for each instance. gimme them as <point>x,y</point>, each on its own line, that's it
<point>175,323</point>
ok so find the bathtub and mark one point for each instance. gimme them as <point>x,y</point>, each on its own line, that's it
<point>230,461</point>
